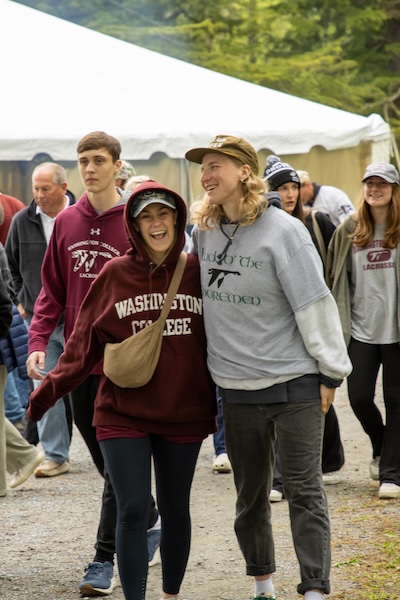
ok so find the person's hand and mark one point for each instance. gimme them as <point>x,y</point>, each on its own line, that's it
<point>35,360</point>
<point>21,311</point>
<point>35,412</point>
<point>327,397</point>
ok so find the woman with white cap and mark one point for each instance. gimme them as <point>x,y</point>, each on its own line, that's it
<point>364,266</point>
<point>164,420</point>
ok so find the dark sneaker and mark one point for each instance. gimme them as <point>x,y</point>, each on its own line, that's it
<point>98,579</point>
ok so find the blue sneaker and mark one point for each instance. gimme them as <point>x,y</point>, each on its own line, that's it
<point>153,543</point>
<point>98,579</point>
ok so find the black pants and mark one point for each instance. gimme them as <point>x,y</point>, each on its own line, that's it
<point>332,449</point>
<point>83,398</point>
<point>129,464</point>
<point>361,384</point>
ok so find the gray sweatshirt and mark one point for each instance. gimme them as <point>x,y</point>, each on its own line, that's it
<point>269,316</point>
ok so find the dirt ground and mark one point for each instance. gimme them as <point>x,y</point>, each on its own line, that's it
<point>48,530</point>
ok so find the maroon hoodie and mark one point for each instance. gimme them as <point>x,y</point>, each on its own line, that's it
<point>82,242</point>
<point>180,398</point>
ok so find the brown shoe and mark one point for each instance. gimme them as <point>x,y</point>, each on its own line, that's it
<point>49,468</point>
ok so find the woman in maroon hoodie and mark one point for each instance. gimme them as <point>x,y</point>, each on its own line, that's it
<point>167,418</point>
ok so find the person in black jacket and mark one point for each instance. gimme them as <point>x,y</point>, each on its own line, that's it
<point>26,245</point>
<point>5,309</point>
<point>282,178</point>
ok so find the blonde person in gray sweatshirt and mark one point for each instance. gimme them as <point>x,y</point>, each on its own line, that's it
<point>277,353</point>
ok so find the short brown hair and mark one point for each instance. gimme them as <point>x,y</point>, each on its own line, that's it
<point>99,139</point>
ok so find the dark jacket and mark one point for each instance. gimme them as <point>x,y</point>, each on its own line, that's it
<point>5,309</point>
<point>14,346</point>
<point>26,246</point>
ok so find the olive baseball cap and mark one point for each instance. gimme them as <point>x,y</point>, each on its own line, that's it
<point>230,146</point>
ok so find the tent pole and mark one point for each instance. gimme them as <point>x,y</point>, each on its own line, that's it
<point>395,150</point>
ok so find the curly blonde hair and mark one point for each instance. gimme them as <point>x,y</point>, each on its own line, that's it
<point>253,204</point>
<point>364,231</point>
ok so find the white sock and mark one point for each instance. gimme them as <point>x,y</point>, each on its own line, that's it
<point>313,596</point>
<point>265,586</point>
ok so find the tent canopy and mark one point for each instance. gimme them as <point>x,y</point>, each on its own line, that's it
<point>62,81</point>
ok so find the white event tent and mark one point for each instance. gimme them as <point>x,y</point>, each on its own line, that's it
<point>60,81</point>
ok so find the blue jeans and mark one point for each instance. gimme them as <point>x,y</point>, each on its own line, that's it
<point>16,395</point>
<point>250,432</point>
<point>53,426</point>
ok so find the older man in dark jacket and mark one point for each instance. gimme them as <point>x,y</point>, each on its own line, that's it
<point>26,246</point>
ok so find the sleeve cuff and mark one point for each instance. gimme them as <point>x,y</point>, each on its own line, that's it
<point>329,382</point>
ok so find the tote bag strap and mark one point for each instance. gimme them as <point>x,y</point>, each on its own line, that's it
<point>319,237</point>
<point>173,286</point>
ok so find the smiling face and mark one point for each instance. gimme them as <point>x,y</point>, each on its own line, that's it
<point>156,224</point>
<point>289,193</point>
<point>222,179</point>
<point>377,192</point>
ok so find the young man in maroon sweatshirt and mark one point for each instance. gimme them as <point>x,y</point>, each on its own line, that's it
<point>84,239</point>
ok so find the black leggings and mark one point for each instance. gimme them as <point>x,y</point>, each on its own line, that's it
<point>128,462</point>
<point>83,398</point>
<point>361,383</point>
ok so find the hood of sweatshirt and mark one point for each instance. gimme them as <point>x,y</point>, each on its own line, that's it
<point>138,250</point>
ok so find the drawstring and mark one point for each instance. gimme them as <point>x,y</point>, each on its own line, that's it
<point>228,243</point>
<point>152,270</point>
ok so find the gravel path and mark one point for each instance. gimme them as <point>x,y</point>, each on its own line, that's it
<point>48,529</point>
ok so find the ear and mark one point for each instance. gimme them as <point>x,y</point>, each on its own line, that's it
<point>117,166</point>
<point>245,172</point>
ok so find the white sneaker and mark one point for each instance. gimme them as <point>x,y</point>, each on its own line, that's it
<point>222,464</point>
<point>374,468</point>
<point>332,478</point>
<point>275,496</point>
<point>22,474</point>
<point>389,490</point>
